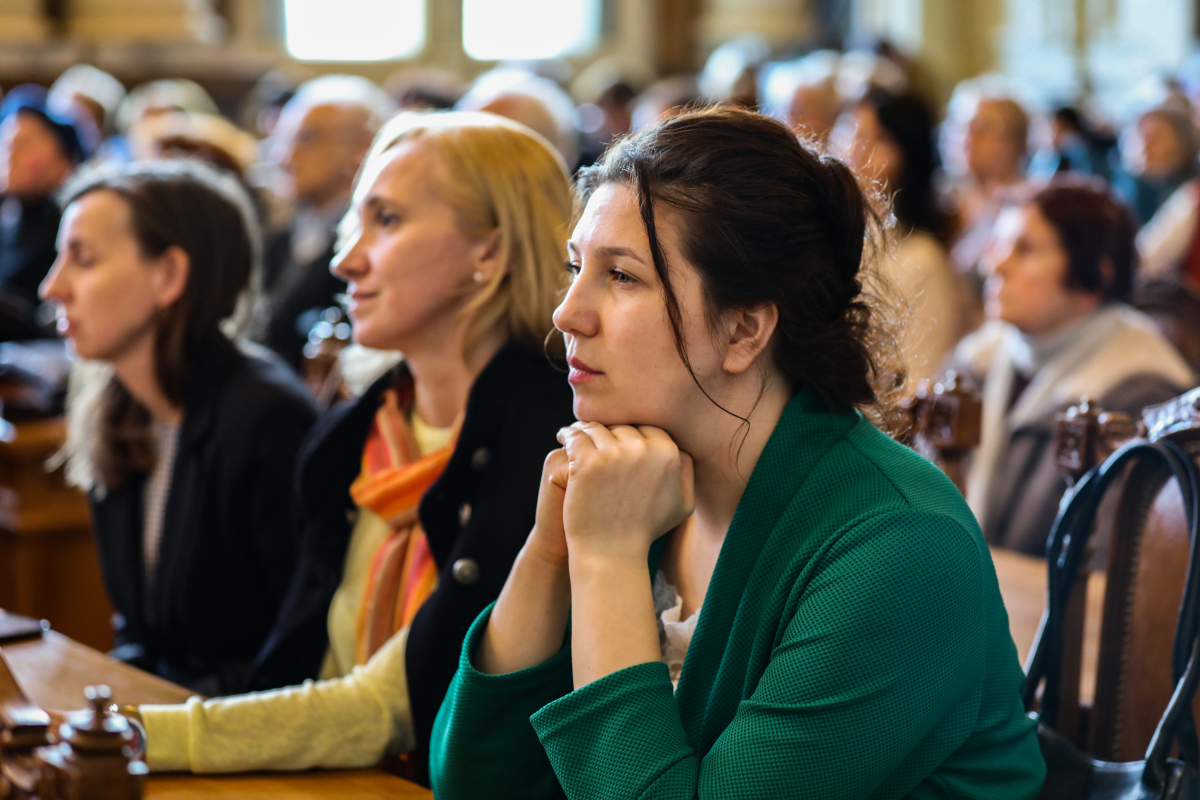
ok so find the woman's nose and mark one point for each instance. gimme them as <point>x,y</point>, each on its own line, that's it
<point>1003,261</point>
<point>575,314</point>
<point>52,287</point>
<point>350,263</point>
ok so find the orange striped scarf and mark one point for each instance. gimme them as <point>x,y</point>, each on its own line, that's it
<point>394,477</point>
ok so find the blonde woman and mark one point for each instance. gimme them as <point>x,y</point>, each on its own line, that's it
<point>416,497</point>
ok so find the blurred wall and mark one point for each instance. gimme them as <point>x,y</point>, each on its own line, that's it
<point>233,42</point>
<point>1063,49</point>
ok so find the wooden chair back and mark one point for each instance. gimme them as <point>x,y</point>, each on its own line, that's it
<point>945,424</point>
<point>1085,435</point>
<point>1146,573</point>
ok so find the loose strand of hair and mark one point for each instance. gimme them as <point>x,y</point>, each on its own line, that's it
<point>674,316</point>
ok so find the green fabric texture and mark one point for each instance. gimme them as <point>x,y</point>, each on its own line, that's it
<point>852,644</point>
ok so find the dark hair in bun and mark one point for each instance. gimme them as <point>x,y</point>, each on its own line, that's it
<point>764,219</point>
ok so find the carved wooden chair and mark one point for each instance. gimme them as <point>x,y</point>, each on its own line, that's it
<point>1146,569</point>
<point>1146,572</point>
<point>944,421</point>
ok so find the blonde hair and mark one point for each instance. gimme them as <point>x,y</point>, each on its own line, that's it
<point>498,175</point>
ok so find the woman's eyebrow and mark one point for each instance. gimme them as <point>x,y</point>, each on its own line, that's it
<point>610,251</point>
<point>376,200</point>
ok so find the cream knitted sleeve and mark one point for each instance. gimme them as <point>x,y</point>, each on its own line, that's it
<point>353,721</point>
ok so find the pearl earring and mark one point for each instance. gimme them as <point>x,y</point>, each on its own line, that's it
<point>478,277</point>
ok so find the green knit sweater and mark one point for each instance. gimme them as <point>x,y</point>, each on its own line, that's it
<point>852,644</point>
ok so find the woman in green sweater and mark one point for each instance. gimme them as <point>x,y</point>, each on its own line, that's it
<point>822,617</point>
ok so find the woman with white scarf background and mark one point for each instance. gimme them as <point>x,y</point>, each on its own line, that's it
<point>1058,328</point>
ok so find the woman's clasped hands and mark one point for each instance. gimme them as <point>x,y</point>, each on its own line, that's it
<point>609,492</point>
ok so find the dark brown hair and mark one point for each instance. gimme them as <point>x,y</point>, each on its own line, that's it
<point>1095,231</point>
<point>764,219</point>
<point>192,206</point>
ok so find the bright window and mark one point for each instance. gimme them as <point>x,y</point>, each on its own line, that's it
<point>354,30</point>
<point>521,29</point>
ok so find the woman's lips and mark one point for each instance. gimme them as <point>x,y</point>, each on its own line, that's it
<point>580,372</point>
<point>358,298</point>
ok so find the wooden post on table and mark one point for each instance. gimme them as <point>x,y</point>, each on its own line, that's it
<point>89,756</point>
<point>946,424</point>
<point>23,729</point>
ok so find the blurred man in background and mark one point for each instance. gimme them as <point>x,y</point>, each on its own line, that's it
<point>39,149</point>
<point>322,136</point>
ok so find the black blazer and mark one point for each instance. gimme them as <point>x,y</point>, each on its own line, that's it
<point>476,516</point>
<point>228,545</point>
<point>293,293</point>
<point>27,251</point>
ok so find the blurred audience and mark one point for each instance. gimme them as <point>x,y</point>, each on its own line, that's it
<point>149,100</point>
<point>1169,243</point>
<point>889,139</point>
<point>39,149</point>
<point>424,89</point>
<point>665,99</point>
<point>321,138</point>
<point>607,94</point>
<point>1158,155</point>
<point>1060,273</point>
<point>730,74</point>
<point>1073,146</point>
<point>993,136</point>
<point>537,103</point>
<point>97,91</point>
<point>180,134</point>
<point>185,443</point>
<point>804,94</point>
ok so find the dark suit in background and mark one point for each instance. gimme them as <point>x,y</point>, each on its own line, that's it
<point>294,292</point>
<point>229,538</point>
<point>28,234</point>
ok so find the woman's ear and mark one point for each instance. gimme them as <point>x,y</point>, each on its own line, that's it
<point>174,266</point>
<point>487,257</point>
<point>750,332</point>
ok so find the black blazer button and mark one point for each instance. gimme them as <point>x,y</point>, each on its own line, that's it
<point>464,514</point>
<point>465,571</point>
<point>479,459</point>
<point>352,516</point>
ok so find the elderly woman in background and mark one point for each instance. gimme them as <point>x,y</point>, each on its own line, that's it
<point>1061,272</point>
<point>889,138</point>
<point>1158,155</point>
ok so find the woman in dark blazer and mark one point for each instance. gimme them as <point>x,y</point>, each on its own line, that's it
<point>415,498</point>
<point>184,442</point>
